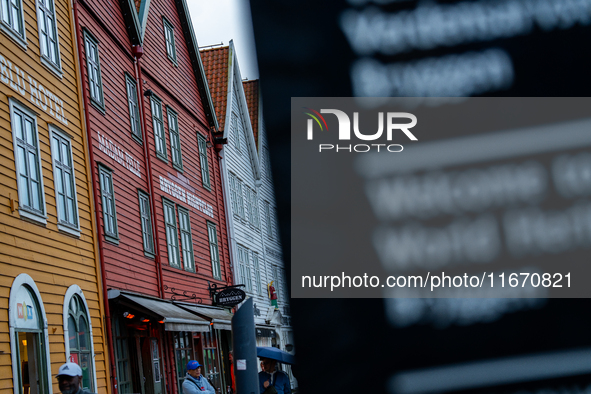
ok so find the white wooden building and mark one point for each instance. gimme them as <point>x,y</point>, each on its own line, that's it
<point>251,210</point>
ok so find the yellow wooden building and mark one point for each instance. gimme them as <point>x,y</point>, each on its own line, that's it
<point>51,303</point>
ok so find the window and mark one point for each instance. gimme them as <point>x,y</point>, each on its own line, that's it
<point>48,37</point>
<point>257,272</point>
<point>214,251</point>
<point>267,162</point>
<point>93,70</point>
<point>146,219</point>
<point>244,267</point>
<point>254,209</point>
<point>158,123</point>
<point>28,163</point>
<point>267,213</point>
<point>29,340</point>
<point>236,196</point>
<point>122,356</point>
<point>64,180</point>
<point>13,19</point>
<point>175,139</point>
<point>132,102</point>
<point>236,132</point>
<point>169,38</point>
<point>108,201</point>
<point>78,335</point>
<point>186,239</point>
<point>172,240</point>
<point>204,162</point>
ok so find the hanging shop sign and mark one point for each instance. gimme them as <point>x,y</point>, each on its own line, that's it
<point>228,296</point>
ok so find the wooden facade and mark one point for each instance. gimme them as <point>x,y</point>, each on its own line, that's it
<point>48,256</point>
<point>155,172</point>
<point>250,200</point>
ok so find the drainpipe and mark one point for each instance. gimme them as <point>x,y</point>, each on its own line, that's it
<point>217,148</point>
<point>96,199</point>
<point>137,52</point>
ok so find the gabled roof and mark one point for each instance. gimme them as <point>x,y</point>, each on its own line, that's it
<point>215,63</point>
<point>135,14</point>
<point>251,91</point>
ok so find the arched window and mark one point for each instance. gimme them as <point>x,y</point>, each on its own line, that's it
<point>78,335</point>
<point>29,340</point>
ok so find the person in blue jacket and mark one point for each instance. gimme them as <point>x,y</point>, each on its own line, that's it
<point>195,383</point>
<point>271,377</point>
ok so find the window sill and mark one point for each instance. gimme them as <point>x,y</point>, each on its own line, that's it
<point>13,36</point>
<point>149,255</point>
<point>178,168</point>
<point>100,107</point>
<point>162,157</point>
<point>137,139</point>
<point>69,230</point>
<point>111,239</point>
<point>39,219</point>
<point>52,67</point>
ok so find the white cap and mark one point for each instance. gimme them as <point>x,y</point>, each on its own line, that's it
<point>70,369</point>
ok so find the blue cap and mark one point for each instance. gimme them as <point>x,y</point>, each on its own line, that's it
<point>193,365</point>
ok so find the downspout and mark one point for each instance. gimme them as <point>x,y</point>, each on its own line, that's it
<point>96,214</point>
<point>229,217</point>
<point>217,149</point>
<point>137,52</point>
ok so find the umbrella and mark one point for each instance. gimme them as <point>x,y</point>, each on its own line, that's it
<point>275,354</point>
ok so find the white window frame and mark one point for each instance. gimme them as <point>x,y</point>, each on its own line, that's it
<point>133,106</point>
<point>214,251</point>
<point>63,225</point>
<point>186,241</point>
<point>204,162</point>
<point>114,235</point>
<point>146,216</point>
<point>268,223</point>
<point>236,132</point>
<point>169,40</point>
<point>42,14</point>
<point>27,211</point>
<point>158,126</point>
<point>175,138</point>
<point>172,240</point>
<point>20,281</point>
<point>244,267</point>
<point>99,101</point>
<point>254,209</point>
<point>71,292</point>
<point>257,272</point>
<point>8,27</point>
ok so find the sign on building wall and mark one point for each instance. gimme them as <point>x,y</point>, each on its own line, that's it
<point>29,88</point>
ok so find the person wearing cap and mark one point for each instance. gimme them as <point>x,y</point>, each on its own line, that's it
<point>270,378</point>
<point>69,377</point>
<point>194,382</point>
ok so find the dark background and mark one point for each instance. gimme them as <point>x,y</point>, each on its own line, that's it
<point>347,345</point>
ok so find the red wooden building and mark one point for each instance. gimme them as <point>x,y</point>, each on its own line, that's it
<point>156,176</point>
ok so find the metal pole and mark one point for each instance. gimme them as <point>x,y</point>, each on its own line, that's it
<point>245,351</point>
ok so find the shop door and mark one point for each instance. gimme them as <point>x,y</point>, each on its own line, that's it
<point>211,360</point>
<point>152,366</point>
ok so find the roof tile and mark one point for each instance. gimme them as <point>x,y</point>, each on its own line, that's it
<point>215,63</point>
<point>251,91</point>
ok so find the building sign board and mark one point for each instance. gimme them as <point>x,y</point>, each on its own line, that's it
<point>29,88</point>
<point>120,156</point>
<point>230,297</point>
<point>188,198</point>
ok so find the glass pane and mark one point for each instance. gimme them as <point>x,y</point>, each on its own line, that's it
<point>83,335</point>
<point>72,334</point>
<point>65,153</point>
<point>86,369</point>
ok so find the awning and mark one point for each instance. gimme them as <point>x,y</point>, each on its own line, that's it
<point>220,317</point>
<point>175,318</point>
